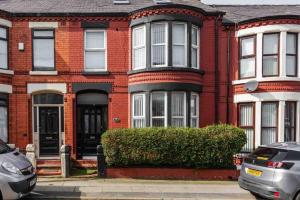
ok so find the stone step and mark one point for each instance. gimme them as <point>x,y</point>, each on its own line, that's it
<point>48,167</point>
<point>85,163</point>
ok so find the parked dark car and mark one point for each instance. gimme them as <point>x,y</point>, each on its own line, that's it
<point>17,175</point>
<point>273,171</point>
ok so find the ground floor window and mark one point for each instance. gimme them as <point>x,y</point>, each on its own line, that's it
<point>269,122</point>
<point>290,121</point>
<point>246,121</point>
<point>3,120</point>
<point>176,109</point>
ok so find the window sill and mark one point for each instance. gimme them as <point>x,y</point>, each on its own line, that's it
<point>265,79</point>
<point>6,71</point>
<point>92,73</point>
<point>43,73</point>
<point>157,69</point>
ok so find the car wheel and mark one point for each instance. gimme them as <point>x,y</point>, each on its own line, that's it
<point>1,196</point>
<point>298,196</point>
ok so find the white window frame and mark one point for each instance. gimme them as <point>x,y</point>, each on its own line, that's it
<point>197,110</point>
<point>160,44</point>
<point>185,44</point>
<point>104,49</point>
<point>184,106</point>
<point>196,47</point>
<point>165,117</point>
<point>138,47</point>
<point>133,110</point>
<point>5,39</point>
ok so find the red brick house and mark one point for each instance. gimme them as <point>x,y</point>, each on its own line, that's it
<point>71,69</point>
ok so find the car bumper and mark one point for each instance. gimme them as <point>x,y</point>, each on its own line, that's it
<point>263,190</point>
<point>19,189</point>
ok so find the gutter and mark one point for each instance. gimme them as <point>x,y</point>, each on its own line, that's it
<point>228,74</point>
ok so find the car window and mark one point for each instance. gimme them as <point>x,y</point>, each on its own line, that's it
<point>4,148</point>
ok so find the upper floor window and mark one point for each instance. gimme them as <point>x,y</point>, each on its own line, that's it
<point>171,44</point>
<point>95,50</point>
<point>247,57</point>
<point>3,49</point>
<point>270,63</point>
<point>291,54</point>
<point>43,50</point>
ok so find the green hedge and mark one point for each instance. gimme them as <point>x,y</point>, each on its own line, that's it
<point>209,147</point>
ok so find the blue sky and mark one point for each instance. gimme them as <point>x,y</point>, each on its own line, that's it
<point>274,2</point>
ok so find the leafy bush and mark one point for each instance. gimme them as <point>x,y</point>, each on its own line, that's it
<point>209,147</point>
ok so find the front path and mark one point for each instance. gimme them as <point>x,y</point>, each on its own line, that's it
<point>129,189</point>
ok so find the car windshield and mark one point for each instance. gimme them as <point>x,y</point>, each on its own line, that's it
<point>265,153</point>
<point>4,148</point>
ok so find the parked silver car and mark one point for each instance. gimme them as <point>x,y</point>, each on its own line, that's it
<point>273,171</point>
<point>17,175</point>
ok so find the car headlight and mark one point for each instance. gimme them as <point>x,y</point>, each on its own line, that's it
<point>11,168</point>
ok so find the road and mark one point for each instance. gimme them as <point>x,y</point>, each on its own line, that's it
<point>129,189</point>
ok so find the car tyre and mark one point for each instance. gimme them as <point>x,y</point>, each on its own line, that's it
<point>1,195</point>
<point>257,196</point>
<point>297,196</point>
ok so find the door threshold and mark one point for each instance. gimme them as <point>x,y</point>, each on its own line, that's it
<point>89,157</point>
<point>48,157</point>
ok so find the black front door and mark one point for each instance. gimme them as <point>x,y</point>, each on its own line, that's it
<point>49,131</point>
<point>91,123</point>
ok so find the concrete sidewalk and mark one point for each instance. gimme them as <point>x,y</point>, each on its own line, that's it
<point>128,189</point>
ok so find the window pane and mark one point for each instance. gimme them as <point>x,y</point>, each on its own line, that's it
<point>194,122</point>
<point>250,140</point>
<point>289,121</point>
<point>138,123</point>
<point>95,40</point>
<point>158,122</point>
<point>246,115</point>
<point>158,33</point>
<point>178,109</point>
<point>138,103</point>
<point>179,34</point>
<point>95,60</point>
<point>139,58</point>
<point>290,65</point>
<point>3,54</point>
<point>3,33</point>
<point>269,115</point>
<point>158,55</point>
<point>247,67</point>
<point>268,136</point>
<point>195,36</point>
<point>179,55</point>
<point>194,110</point>
<point>291,46</point>
<point>43,53</point>
<point>247,46</point>
<point>3,124</point>
<point>194,58</point>
<point>43,33</point>
<point>270,44</point>
<point>270,65</point>
<point>158,104</point>
<point>139,36</point>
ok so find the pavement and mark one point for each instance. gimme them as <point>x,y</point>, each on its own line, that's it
<point>132,189</point>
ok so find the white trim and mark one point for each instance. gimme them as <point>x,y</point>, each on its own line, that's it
<point>266,79</point>
<point>281,110</point>
<point>48,73</point>
<point>4,88</point>
<point>257,124</point>
<point>297,121</point>
<point>6,71</point>
<point>282,54</point>
<point>139,47</point>
<point>143,117</point>
<point>43,24</point>
<point>267,96</point>
<point>259,51</point>
<point>36,87</point>
<point>268,29</point>
<point>4,22</point>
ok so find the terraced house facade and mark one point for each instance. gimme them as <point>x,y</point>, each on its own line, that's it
<point>71,69</point>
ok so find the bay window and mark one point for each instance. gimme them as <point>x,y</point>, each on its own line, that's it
<point>3,48</point>
<point>165,108</point>
<point>178,105</point>
<point>159,41</point>
<point>95,50</point>
<point>247,57</point>
<point>291,54</point>
<point>159,109</point>
<point>139,47</point>
<point>290,121</point>
<point>43,50</point>
<point>194,110</point>
<point>270,54</point>
<point>246,122</point>
<point>179,40</point>
<point>3,120</point>
<point>269,122</point>
<point>195,48</point>
<point>138,110</point>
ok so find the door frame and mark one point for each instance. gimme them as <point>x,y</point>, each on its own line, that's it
<point>36,134</point>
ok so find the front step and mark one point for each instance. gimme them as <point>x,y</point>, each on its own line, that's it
<point>89,164</point>
<point>48,167</point>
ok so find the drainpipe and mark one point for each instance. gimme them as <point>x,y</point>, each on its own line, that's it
<point>228,74</point>
<point>217,87</point>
